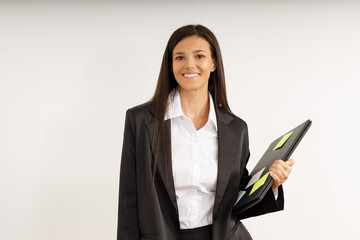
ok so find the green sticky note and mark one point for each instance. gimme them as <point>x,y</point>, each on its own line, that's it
<point>259,183</point>
<point>282,141</point>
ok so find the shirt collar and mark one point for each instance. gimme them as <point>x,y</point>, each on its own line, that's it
<point>174,109</point>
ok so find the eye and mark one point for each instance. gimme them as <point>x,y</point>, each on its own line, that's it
<point>200,56</point>
<point>179,58</point>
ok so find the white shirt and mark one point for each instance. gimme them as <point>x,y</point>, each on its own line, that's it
<point>194,164</point>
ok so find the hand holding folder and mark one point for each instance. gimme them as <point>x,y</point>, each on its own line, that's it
<point>280,171</point>
<point>261,181</point>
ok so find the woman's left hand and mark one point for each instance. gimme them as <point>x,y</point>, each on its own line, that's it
<point>280,171</point>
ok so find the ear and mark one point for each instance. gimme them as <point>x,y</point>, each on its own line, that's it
<point>214,66</point>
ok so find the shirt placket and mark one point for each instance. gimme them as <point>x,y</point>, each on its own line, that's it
<point>196,177</point>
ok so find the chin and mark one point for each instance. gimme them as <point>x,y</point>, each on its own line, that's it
<point>192,87</point>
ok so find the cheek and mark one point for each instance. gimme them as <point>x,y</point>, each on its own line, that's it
<point>207,67</point>
<point>175,68</point>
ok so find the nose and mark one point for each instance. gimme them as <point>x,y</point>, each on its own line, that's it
<point>189,63</point>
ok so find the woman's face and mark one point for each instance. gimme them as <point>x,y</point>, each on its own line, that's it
<point>192,63</point>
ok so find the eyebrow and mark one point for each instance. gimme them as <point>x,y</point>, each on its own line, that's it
<point>196,51</point>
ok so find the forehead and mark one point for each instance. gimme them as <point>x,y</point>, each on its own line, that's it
<point>191,44</point>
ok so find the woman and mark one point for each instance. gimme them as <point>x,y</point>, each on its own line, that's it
<point>184,152</point>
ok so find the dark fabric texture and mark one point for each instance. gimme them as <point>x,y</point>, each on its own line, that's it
<point>201,233</point>
<point>148,207</point>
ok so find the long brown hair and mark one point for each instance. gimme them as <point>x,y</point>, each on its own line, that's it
<point>166,81</point>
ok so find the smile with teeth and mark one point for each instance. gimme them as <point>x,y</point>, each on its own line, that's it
<point>191,75</point>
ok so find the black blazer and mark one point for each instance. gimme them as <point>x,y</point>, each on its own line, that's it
<point>147,205</point>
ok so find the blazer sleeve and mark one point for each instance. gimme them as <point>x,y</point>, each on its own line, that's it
<point>267,205</point>
<point>128,223</point>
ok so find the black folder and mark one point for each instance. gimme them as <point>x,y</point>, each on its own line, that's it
<point>261,181</point>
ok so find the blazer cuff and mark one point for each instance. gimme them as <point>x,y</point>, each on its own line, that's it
<point>267,205</point>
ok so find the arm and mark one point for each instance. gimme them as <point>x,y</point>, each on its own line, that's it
<point>128,226</point>
<point>267,205</point>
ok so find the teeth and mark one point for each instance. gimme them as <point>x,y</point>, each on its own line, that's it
<point>191,75</point>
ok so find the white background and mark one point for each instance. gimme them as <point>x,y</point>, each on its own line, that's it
<point>69,70</point>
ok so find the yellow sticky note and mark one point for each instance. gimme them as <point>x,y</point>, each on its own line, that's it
<point>259,183</point>
<point>282,141</point>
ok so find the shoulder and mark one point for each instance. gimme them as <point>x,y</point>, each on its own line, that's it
<point>142,113</point>
<point>238,120</point>
<point>143,108</point>
<point>231,119</point>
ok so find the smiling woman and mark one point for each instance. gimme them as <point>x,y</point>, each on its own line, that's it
<point>185,153</point>
<point>192,65</point>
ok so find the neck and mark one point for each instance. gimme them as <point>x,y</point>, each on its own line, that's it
<point>196,106</point>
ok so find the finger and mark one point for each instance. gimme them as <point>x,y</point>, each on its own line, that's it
<point>290,162</point>
<point>281,166</point>
<point>280,173</point>
<point>284,164</point>
<point>277,181</point>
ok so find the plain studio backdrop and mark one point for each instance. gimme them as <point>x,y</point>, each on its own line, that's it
<point>69,70</point>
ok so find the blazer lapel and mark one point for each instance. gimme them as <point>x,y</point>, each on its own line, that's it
<point>165,172</point>
<point>227,146</point>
